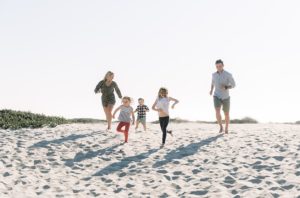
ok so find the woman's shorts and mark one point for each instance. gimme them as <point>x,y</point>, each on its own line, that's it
<point>108,100</point>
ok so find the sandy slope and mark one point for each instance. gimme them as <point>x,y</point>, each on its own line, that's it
<point>83,161</point>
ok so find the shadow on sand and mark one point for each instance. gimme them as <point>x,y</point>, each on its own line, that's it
<point>118,166</point>
<point>73,137</point>
<point>79,157</point>
<point>185,151</point>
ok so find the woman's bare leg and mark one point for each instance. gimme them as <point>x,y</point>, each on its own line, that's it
<point>106,114</point>
<point>109,115</point>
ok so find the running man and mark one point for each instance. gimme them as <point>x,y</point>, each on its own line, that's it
<point>222,81</point>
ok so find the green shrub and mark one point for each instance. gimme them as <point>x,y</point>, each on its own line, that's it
<point>86,120</point>
<point>246,120</point>
<point>174,120</point>
<point>10,119</point>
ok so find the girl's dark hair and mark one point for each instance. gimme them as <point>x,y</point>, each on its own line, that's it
<point>219,62</point>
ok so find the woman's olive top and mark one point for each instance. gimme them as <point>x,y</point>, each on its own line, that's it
<point>108,96</point>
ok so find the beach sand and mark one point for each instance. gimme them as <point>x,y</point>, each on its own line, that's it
<point>76,160</point>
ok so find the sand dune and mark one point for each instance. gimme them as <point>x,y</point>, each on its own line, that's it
<point>84,161</point>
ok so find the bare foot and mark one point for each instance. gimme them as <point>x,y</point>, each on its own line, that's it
<point>162,146</point>
<point>226,131</point>
<point>170,132</point>
<point>221,129</point>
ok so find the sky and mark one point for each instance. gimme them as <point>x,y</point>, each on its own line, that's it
<point>53,54</point>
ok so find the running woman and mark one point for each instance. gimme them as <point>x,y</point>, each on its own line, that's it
<point>107,87</point>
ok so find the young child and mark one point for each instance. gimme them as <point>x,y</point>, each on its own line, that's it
<point>125,112</point>
<point>141,110</point>
<point>161,105</point>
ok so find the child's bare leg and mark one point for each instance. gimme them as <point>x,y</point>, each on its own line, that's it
<point>145,127</point>
<point>137,125</point>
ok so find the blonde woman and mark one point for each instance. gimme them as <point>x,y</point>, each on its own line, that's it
<point>161,105</point>
<point>107,87</point>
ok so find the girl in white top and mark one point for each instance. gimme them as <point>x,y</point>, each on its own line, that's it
<point>161,105</point>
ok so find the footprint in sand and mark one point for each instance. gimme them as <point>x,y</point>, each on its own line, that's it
<point>165,195</point>
<point>229,180</point>
<point>177,173</point>
<point>199,192</point>
<point>162,171</point>
<point>123,174</point>
<point>278,158</point>
<point>118,190</point>
<point>255,181</point>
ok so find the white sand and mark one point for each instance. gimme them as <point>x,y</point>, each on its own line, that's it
<point>83,161</point>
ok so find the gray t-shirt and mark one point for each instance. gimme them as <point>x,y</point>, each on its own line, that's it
<point>221,79</point>
<point>125,114</point>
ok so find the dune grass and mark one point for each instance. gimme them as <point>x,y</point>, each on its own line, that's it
<point>10,119</point>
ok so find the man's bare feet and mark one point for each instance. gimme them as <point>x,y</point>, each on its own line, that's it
<point>221,129</point>
<point>170,132</point>
<point>162,146</point>
<point>226,131</point>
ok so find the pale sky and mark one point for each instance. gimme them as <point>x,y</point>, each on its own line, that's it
<point>53,53</point>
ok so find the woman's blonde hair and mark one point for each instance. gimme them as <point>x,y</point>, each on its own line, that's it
<point>163,91</point>
<point>109,73</point>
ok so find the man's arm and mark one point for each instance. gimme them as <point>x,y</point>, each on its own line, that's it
<point>211,89</point>
<point>231,83</point>
<point>212,85</point>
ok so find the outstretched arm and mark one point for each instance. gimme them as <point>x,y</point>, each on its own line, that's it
<point>175,102</point>
<point>99,86</point>
<point>133,117</point>
<point>117,109</point>
<point>154,106</point>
